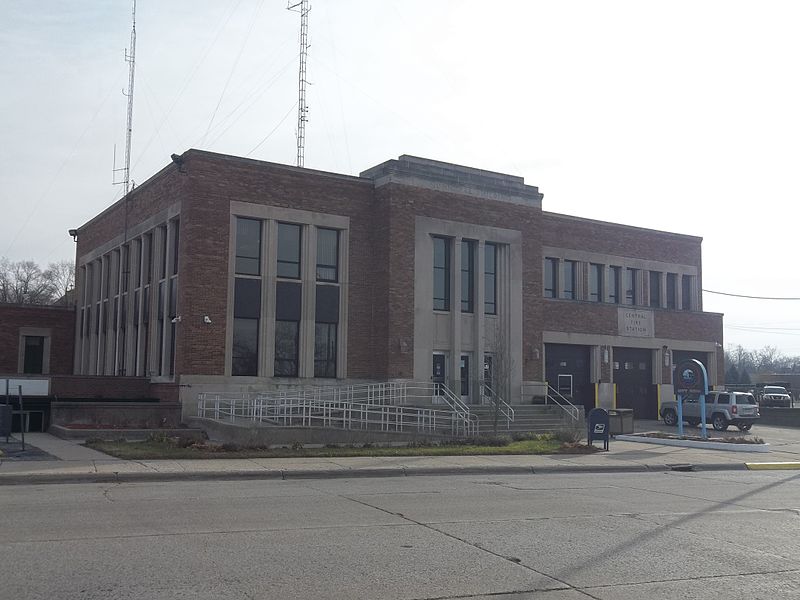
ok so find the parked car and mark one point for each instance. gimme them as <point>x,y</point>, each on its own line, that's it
<point>775,395</point>
<point>722,409</point>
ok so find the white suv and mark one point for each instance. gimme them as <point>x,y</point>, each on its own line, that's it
<point>722,409</point>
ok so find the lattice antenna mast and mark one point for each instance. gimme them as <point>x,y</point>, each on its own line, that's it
<point>130,58</point>
<point>302,110</point>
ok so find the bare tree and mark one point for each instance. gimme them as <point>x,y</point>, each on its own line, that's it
<point>24,282</point>
<point>60,276</point>
<point>499,379</point>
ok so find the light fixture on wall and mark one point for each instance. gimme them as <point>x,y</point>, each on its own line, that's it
<point>176,319</point>
<point>206,319</point>
<point>667,355</point>
<point>605,354</point>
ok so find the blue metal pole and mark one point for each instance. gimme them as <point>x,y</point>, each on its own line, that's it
<point>680,414</point>
<point>703,429</point>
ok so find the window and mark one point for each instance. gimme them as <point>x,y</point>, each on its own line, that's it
<point>327,255</point>
<point>568,272</point>
<point>248,246</point>
<point>550,277</point>
<point>286,348</point>
<point>34,355</point>
<point>723,399</point>
<point>671,289</point>
<point>467,276</point>
<point>490,279</point>
<point>441,273</point>
<point>289,250</point>
<point>245,347</point>
<point>655,289</point>
<point>686,292</point>
<point>175,243</point>
<point>631,275</point>
<point>614,277</point>
<point>325,350</point>
<point>595,283</point>
<point>246,314</point>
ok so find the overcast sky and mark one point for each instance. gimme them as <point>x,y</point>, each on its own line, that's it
<point>682,116</point>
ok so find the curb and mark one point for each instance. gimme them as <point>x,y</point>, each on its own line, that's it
<point>772,466</point>
<point>299,474</point>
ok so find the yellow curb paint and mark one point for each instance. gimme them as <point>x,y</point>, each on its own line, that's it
<point>773,466</point>
<point>615,395</point>
<point>658,400</point>
<point>596,395</point>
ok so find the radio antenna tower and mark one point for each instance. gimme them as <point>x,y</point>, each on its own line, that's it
<point>302,110</point>
<point>130,58</point>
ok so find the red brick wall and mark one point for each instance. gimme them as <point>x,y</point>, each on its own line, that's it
<point>215,180</point>
<point>90,386</point>
<point>59,319</point>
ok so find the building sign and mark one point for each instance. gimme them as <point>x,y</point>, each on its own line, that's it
<point>635,323</point>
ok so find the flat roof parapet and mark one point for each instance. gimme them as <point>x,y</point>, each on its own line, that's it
<point>447,177</point>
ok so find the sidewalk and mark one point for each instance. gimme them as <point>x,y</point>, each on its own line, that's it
<point>75,463</point>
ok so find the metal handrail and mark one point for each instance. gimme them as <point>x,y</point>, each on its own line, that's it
<point>572,410</point>
<point>505,408</point>
<point>358,402</point>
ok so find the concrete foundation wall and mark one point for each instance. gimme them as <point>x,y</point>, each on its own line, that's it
<point>131,415</point>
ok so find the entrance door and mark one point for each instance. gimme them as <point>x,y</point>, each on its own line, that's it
<point>465,387</point>
<point>633,374</point>
<point>439,373</point>
<point>567,370</point>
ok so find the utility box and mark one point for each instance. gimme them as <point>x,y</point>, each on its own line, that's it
<point>620,420</point>
<point>597,427</point>
<point>5,420</point>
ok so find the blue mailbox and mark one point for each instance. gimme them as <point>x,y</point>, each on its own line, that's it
<point>598,427</point>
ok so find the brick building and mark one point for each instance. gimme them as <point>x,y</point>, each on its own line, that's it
<point>225,273</point>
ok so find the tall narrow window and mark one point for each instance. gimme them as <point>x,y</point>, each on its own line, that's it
<point>686,292</point>
<point>325,330</point>
<point>289,250</point>
<point>441,273</point>
<point>288,302</point>
<point>614,284</point>
<point>176,235</point>
<point>672,288</point>
<point>550,277</point>
<point>490,279</point>
<point>246,314</point>
<point>34,355</point>
<point>630,286</point>
<point>595,283</point>
<point>569,269</point>
<point>467,276</point>
<point>248,246</point>
<point>655,289</point>
<point>327,255</point>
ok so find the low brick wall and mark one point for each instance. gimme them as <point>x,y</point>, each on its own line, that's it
<point>87,386</point>
<point>130,415</point>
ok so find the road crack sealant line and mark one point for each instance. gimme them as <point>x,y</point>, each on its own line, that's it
<point>511,559</point>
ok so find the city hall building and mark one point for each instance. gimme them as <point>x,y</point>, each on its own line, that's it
<point>223,273</point>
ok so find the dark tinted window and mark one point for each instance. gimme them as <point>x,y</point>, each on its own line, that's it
<point>248,246</point>
<point>245,347</point>
<point>288,250</point>
<point>723,399</point>
<point>490,279</point>
<point>247,298</point>
<point>467,276</point>
<point>569,269</point>
<point>325,350</point>
<point>550,277</point>
<point>614,275</point>
<point>655,289</point>
<point>34,355</point>
<point>286,348</point>
<point>596,283</point>
<point>441,273</point>
<point>671,290</point>
<point>744,399</point>
<point>686,292</point>
<point>631,275</point>
<point>327,255</point>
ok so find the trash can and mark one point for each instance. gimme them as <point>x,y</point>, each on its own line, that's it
<point>620,420</point>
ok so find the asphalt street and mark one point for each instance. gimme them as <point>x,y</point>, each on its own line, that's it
<point>556,537</point>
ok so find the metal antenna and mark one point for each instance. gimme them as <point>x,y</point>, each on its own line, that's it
<point>303,8</point>
<point>130,58</point>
